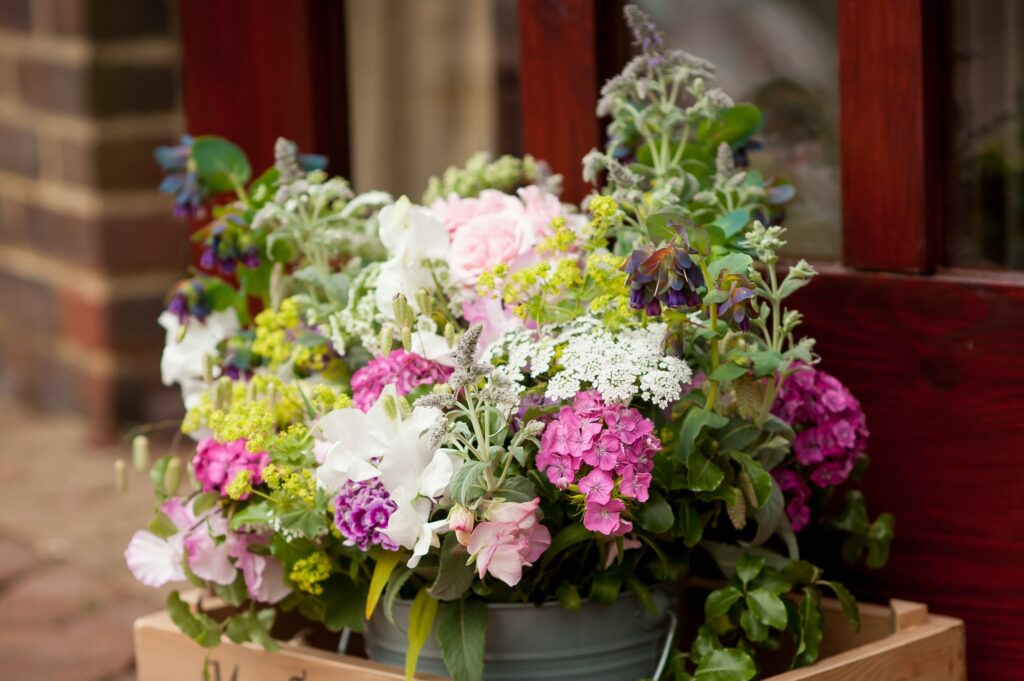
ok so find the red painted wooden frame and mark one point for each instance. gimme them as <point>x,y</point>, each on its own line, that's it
<point>255,70</point>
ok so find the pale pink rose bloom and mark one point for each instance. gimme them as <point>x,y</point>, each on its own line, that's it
<point>485,241</point>
<point>512,539</point>
<point>455,211</point>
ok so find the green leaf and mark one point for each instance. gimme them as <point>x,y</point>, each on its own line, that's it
<point>386,563</point>
<point>517,489</point>
<point>663,225</point>
<point>605,587</point>
<point>220,164</point>
<point>421,622</point>
<point>735,126</point>
<point>727,372</point>
<point>748,567</point>
<point>454,577</point>
<point>642,593</point>
<point>397,579</point>
<point>467,484</point>
<point>740,436</point>
<point>726,664</point>
<point>162,526</point>
<point>810,629</point>
<point>801,572</point>
<point>199,627</point>
<point>704,475</point>
<point>204,502</point>
<point>568,596</point>
<point>704,643</point>
<point>253,514</point>
<point>768,608</point>
<point>342,599</point>
<point>733,223</point>
<point>880,536</point>
<point>655,515</point>
<point>734,263</point>
<point>157,473</point>
<point>234,593</point>
<point>847,601</point>
<point>695,421</point>
<point>258,626</point>
<point>720,600</point>
<point>766,362</point>
<point>755,629</point>
<point>759,477</point>
<point>566,537</point>
<point>688,525</point>
<point>461,632</point>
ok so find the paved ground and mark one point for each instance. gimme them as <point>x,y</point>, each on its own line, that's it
<point>67,602</point>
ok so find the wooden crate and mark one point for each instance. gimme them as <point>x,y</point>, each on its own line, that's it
<point>901,642</point>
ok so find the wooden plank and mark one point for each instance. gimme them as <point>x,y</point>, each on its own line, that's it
<point>906,614</point>
<point>931,652</point>
<point>893,116</point>
<point>567,49</point>
<point>255,70</point>
<point>165,654</point>
<point>938,367</point>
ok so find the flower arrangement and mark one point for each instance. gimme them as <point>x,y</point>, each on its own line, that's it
<point>496,397</point>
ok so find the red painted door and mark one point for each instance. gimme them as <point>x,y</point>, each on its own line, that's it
<point>936,354</point>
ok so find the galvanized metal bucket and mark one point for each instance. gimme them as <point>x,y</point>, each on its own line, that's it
<point>618,642</point>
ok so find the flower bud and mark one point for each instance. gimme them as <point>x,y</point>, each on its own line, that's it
<point>208,365</point>
<point>403,406</point>
<point>172,476</point>
<point>140,452</point>
<point>407,338</point>
<point>403,312</point>
<point>222,400</point>
<point>449,334</point>
<point>390,406</point>
<point>120,475</point>
<point>424,302</point>
<point>461,521</point>
<point>386,338</point>
<point>737,512</point>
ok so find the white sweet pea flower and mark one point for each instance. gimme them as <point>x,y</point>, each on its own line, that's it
<point>411,235</point>
<point>356,440</point>
<point>183,360</point>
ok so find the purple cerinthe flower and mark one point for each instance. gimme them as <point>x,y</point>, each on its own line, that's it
<point>609,449</point>
<point>361,513</point>
<point>406,370</point>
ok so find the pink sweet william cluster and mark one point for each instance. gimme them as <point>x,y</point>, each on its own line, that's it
<point>510,539</point>
<point>831,434</point>
<point>406,370</point>
<point>609,449</point>
<point>217,464</point>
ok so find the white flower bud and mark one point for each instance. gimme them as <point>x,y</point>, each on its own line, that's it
<point>120,475</point>
<point>140,452</point>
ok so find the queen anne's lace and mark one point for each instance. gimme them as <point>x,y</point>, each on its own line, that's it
<point>620,366</point>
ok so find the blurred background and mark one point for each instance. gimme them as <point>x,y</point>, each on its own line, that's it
<point>88,88</point>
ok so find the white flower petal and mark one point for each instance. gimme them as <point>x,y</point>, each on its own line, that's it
<point>153,560</point>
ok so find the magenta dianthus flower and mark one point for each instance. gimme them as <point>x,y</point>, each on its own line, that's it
<point>617,446</point>
<point>361,513</point>
<point>797,493</point>
<point>217,464</point>
<point>406,370</point>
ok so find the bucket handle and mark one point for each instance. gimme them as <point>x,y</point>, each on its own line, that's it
<point>666,650</point>
<point>346,635</point>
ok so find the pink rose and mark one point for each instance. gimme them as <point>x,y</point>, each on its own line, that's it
<point>485,241</point>
<point>455,211</point>
<point>511,539</point>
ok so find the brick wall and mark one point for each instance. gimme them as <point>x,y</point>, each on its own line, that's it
<point>87,89</point>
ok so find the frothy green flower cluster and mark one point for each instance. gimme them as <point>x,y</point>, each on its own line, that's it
<point>309,573</point>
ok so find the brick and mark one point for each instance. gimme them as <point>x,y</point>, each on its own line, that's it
<point>26,305</point>
<point>96,89</point>
<point>14,560</point>
<point>105,20</point>
<point>13,222</point>
<point>123,324</point>
<point>121,89</point>
<point>16,14</point>
<point>53,86</point>
<point>111,244</point>
<point>113,164</point>
<point>19,150</point>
